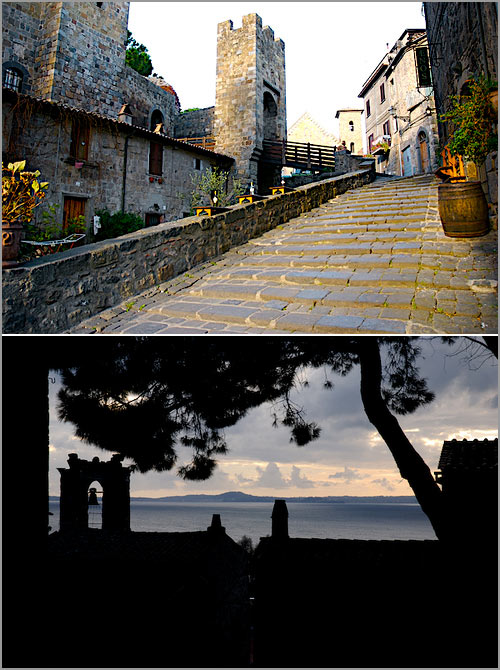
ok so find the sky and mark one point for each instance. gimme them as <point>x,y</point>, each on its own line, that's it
<point>331,48</point>
<point>349,458</point>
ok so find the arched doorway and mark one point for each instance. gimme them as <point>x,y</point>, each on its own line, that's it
<point>94,504</point>
<point>156,118</point>
<point>423,146</point>
<point>270,117</point>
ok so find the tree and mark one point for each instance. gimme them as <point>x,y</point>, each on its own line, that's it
<point>137,57</point>
<point>155,396</point>
<point>214,181</point>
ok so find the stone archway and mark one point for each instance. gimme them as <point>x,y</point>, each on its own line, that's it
<point>75,483</point>
<point>270,117</point>
<point>423,151</point>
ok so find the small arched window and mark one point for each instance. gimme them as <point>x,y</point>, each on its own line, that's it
<point>351,126</point>
<point>13,79</point>
<point>351,147</point>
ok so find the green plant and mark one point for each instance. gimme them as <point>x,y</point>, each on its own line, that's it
<point>137,57</point>
<point>117,224</point>
<point>214,181</point>
<point>472,131</point>
<point>49,229</point>
<point>21,192</point>
<point>191,109</point>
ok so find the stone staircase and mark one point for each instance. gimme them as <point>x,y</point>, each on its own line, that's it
<point>373,260</point>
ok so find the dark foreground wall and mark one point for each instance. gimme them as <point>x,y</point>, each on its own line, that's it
<point>51,295</point>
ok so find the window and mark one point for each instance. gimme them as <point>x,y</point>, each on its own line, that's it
<point>386,129</point>
<point>351,126</point>
<point>351,147</point>
<point>370,144</point>
<point>423,69</point>
<point>368,111</point>
<point>382,92</point>
<point>152,219</point>
<point>155,158</point>
<point>80,135</point>
<point>12,79</point>
<point>197,164</point>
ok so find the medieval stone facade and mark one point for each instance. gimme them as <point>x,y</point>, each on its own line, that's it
<point>115,169</point>
<point>463,43</point>
<point>400,110</point>
<point>250,101</point>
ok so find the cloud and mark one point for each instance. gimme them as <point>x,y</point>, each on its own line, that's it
<point>384,482</point>
<point>298,480</point>
<point>348,475</point>
<point>272,477</point>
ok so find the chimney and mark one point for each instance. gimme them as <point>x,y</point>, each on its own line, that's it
<point>279,520</point>
<point>216,527</point>
<point>125,115</point>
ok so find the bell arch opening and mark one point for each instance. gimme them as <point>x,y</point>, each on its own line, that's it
<point>94,505</point>
<point>156,118</point>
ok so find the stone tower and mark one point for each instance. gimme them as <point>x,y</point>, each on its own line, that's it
<point>74,51</point>
<point>250,101</point>
<point>350,130</point>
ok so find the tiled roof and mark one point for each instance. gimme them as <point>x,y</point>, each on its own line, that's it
<point>11,96</point>
<point>469,454</point>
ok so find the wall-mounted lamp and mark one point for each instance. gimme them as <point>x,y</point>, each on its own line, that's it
<point>428,111</point>
<point>156,207</point>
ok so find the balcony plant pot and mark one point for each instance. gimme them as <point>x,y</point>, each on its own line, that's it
<point>463,209</point>
<point>11,243</point>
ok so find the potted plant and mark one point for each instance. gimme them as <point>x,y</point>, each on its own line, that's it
<point>462,205</point>
<point>21,193</point>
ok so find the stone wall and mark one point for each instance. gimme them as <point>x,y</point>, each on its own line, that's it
<point>53,294</point>
<point>43,138</point>
<point>75,53</point>
<point>198,123</point>
<point>463,39</point>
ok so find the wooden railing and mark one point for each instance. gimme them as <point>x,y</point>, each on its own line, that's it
<point>207,142</point>
<point>299,154</point>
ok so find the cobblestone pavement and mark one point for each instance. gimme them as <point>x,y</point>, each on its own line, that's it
<point>373,260</point>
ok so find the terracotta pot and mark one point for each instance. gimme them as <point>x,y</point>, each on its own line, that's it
<point>463,209</point>
<point>11,243</point>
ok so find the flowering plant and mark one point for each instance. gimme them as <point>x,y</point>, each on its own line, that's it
<point>21,192</point>
<point>472,130</point>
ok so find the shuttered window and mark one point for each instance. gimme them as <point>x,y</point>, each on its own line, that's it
<point>80,136</point>
<point>155,158</point>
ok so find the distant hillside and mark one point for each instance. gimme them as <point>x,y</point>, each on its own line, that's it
<point>238,496</point>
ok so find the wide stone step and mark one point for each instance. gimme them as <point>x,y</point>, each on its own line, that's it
<point>293,318</point>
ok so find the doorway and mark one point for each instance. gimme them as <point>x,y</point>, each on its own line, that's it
<point>423,145</point>
<point>73,209</point>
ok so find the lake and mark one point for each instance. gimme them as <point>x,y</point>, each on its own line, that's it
<point>352,521</point>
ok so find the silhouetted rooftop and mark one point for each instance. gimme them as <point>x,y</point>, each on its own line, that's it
<point>469,454</point>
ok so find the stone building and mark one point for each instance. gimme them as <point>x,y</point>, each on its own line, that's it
<point>350,129</point>
<point>307,129</point>
<point>92,162</point>
<point>463,43</point>
<point>250,104</point>
<point>73,55</point>
<point>400,110</point>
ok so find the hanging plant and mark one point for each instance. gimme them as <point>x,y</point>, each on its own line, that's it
<point>473,135</point>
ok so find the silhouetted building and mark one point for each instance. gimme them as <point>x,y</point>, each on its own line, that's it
<point>75,499</point>
<point>467,473</point>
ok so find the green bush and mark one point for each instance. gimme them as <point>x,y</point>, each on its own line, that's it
<point>117,224</point>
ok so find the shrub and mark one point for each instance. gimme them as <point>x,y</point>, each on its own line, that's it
<point>117,224</point>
